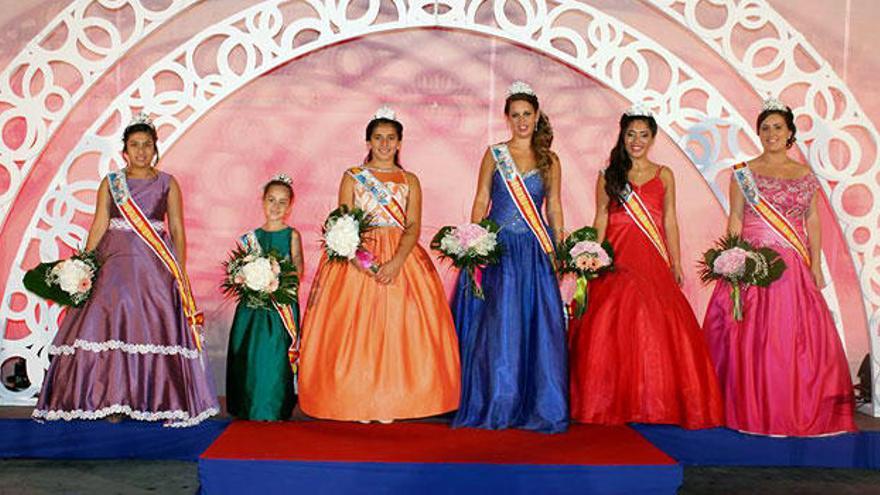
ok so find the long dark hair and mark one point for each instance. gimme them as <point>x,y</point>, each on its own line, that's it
<point>542,138</point>
<point>619,162</point>
<point>786,115</point>
<point>141,127</point>
<point>372,127</point>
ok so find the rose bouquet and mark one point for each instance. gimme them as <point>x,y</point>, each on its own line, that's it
<point>260,280</point>
<point>739,263</point>
<point>470,246</point>
<point>67,282</point>
<point>343,237</point>
<point>581,253</point>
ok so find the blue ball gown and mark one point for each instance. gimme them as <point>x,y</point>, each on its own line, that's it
<point>514,370</point>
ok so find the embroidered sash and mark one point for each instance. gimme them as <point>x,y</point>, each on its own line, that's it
<point>381,194</point>
<point>250,242</point>
<point>640,215</point>
<point>770,215</point>
<point>144,229</point>
<point>516,187</point>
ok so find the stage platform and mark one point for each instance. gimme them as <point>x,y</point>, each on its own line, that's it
<point>432,458</point>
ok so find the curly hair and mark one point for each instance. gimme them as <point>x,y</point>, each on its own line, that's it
<point>786,115</point>
<point>542,138</point>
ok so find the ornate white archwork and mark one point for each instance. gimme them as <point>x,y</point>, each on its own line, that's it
<point>601,47</point>
<point>43,110</point>
<point>834,112</point>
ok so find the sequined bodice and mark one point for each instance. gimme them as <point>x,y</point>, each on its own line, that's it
<point>791,197</point>
<point>396,183</point>
<point>504,211</point>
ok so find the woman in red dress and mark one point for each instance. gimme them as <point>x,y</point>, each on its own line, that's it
<point>638,354</point>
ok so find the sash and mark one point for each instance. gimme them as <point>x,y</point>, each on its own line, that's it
<point>250,242</point>
<point>141,225</point>
<point>770,215</point>
<point>516,187</point>
<point>381,194</point>
<point>640,215</point>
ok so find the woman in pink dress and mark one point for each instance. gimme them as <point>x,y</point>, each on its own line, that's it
<point>782,368</point>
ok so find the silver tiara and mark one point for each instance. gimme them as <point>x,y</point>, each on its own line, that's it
<point>639,109</point>
<point>385,112</point>
<point>520,88</point>
<point>281,178</point>
<point>773,104</point>
<point>141,118</point>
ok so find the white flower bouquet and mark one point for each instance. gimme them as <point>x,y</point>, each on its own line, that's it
<point>470,246</point>
<point>343,237</point>
<point>259,280</point>
<point>67,282</point>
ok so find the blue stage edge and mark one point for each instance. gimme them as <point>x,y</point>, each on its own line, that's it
<point>723,447</point>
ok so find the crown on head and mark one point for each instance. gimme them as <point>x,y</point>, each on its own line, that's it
<point>141,118</point>
<point>774,104</point>
<point>639,109</point>
<point>520,88</point>
<point>281,178</point>
<point>385,112</point>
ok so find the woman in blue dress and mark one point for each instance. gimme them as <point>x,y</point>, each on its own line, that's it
<point>514,372</point>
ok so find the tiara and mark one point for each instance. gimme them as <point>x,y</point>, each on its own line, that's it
<point>639,109</point>
<point>141,118</point>
<point>519,87</point>
<point>281,178</point>
<point>774,104</point>
<point>385,112</point>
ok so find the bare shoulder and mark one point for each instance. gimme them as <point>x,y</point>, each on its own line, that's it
<point>800,170</point>
<point>666,174</point>
<point>412,179</point>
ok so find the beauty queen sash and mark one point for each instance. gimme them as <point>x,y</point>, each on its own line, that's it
<point>640,215</point>
<point>770,215</point>
<point>381,194</point>
<point>516,187</point>
<point>141,225</point>
<point>249,242</point>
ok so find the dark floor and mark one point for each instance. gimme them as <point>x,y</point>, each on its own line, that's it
<point>52,477</point>
<point>174,477</point>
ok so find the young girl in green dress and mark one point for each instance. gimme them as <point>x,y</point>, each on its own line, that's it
<point>259,377</point>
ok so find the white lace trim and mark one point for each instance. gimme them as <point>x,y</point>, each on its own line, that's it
<point>173,419</point>
<point>118,345</point>
<point>122,224</point>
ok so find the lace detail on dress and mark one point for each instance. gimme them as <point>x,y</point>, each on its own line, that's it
<point>117,345</point>
<point>122,224</point>
<point>174,419</point>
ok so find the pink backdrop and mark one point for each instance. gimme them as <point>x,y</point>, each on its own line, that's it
<point>307,117</point>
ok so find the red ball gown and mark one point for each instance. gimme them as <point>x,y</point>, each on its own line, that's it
<point>638,353</point>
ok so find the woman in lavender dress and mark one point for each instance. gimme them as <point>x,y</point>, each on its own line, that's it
<point>130,350</point>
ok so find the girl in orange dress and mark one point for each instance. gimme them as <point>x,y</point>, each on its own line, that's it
<point>380,346</point>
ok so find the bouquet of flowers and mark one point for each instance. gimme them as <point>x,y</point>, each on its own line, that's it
<point>738,262</point>
<point>470,246</point>
<point>582,254</point>
<point>343,237</point>
<point>67,282</point>
<point>260,279</point>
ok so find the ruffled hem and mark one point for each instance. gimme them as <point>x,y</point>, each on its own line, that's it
<point>118,345</point>
<point>173,419</point>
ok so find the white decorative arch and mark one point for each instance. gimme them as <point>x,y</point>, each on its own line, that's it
<point>833,110</point>
<point>43,110</point>
<point>273,33</point>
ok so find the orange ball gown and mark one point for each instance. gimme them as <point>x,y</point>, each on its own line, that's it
<point>638,354</point>
<point>373,351</point>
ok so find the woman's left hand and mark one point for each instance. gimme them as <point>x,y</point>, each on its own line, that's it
<point>389,271</point>
<point>818,278</point>
<point>677,274</point>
